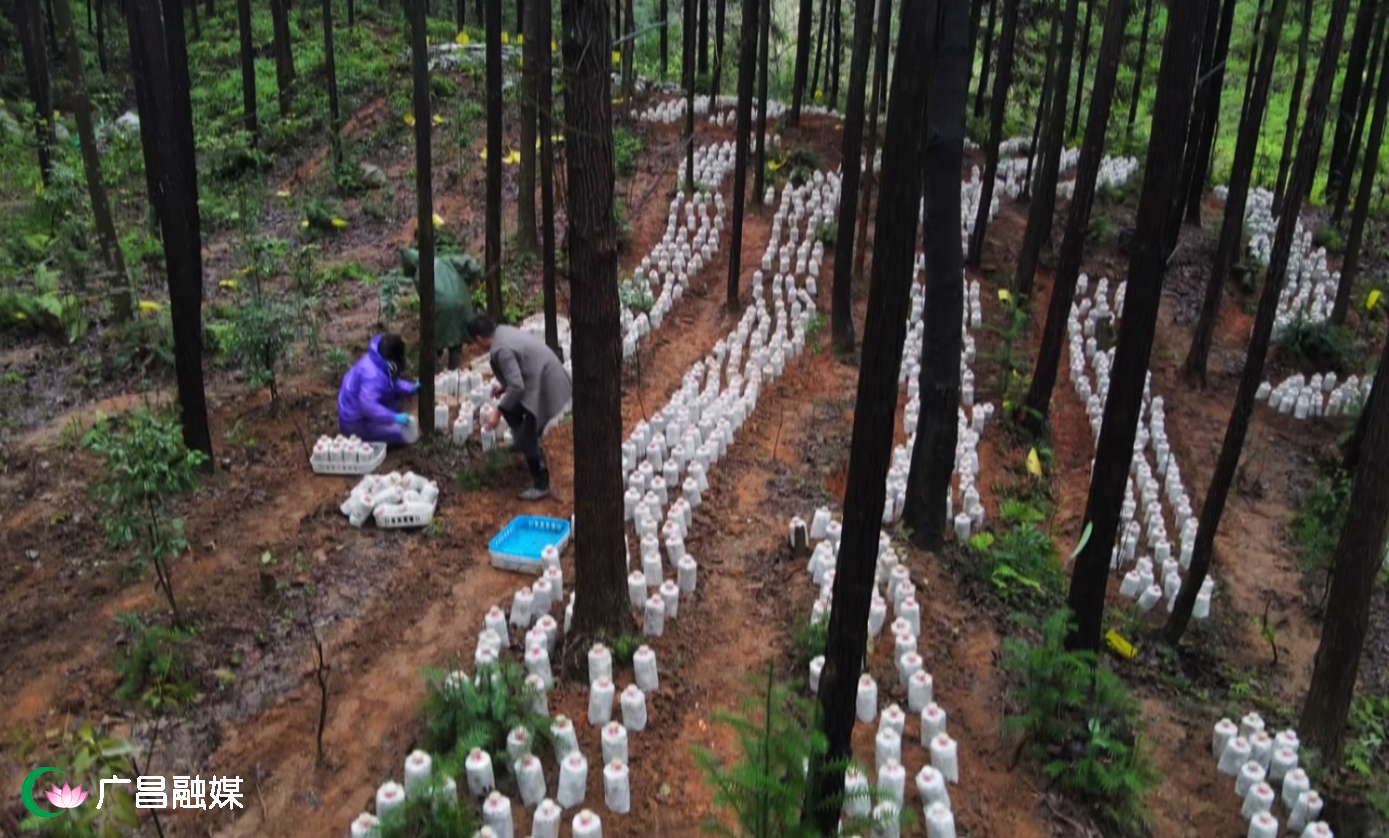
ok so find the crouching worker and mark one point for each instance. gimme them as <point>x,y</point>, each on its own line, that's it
<point>532,387</point>
<point>453,308</point>
<point>369,403</point>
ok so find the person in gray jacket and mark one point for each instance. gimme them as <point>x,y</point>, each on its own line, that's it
<point>532,389</point>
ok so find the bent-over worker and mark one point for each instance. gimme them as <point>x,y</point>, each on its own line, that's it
<point>533,389</point>
<point>369,400</point>
<point>453,305</point>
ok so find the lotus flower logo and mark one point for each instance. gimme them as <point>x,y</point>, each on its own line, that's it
<point>65,797</point>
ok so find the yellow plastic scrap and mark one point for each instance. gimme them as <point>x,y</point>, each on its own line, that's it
<point>227,285</point>
<point>1120,646</point>
<point>617,56</point>
<point>409,119</point>
<point>149,306</point>
<point>1372,300</point>
<point>1034,464</point>
<point>339,223</point>
<point>512,158</point>
<point>438,220</point>
<point>462,39</point>
<point>304,225</point>
<point>506,37</point>
<point>283,193</point>
<point>1003,295</point>
<point>438,120</point>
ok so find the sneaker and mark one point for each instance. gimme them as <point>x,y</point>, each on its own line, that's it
<point>535,493</point>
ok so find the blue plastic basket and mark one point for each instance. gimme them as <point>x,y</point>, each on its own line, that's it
<point>520,543</point>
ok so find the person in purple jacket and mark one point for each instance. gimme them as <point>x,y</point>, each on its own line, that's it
<point>369,401</point>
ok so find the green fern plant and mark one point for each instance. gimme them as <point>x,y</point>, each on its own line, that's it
<point>466,713</point>
<point>431,813</point>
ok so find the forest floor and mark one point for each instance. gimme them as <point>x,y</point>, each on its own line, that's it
<point>391,604</point>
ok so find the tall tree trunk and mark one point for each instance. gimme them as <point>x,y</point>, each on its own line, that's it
<point>1294,108</point>
<point>1043,206</point>
<point>984,58</point>
<point>816,85</point>
<point>101,34</point>
<point>1366,94</point>
<point>1359,557</point>
<point>841,292</point>
<point>207,9</point>
<point>1304,169</point>
<point>284,56</point>
<point>167,173</point>
<point>1350,265</point>
<point>1043,103</point>
<point>1080,72</point>
<point>248,69</point>
<point>352,14</point>
<point>35,50</point>
<point>976,17</point>
<point>1253,58</point>
<point>1090,573</point>
<point>424,206</point>
<point>542,12</point>
<point>1078,221</point>
<point>836,65</point>
<point>493,238</point>
<point>1208,104</point>
<point>1350,93</point>
<point>997,109</point>
<point>933,454</point>
<point>330,70</point>
<point>704,37</point>
<point>876,404</point>
<point>804,19</point>
<point>601,608</point>
<point>629,51</point>
<point>870,150</point>
<point>665,38</point>
<point>687,64</point>
<point>1140,65</point>
<point>1232,227</point>
<point>716,83</point>
<point>50,28</point>
<point>121,302</point>
<point>530,93</point>
<point>747,70</point>
<point>759,166</point>
<point>520,18</point>
<point>193,7</point>
<point>460,14</point>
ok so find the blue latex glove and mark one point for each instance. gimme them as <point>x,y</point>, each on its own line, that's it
<point>413,387</point>
<point>402,419</point>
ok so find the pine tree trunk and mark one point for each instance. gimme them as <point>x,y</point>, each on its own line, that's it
<point>875,407</point>
<point>976,17</point>
<point>870,149</point>
<point>841,292</point>
<point>1232,227</point>
<point>1147,263</point>
<point>1350,264</point>
<point>530,92</point>
<point>933,454</point>
<point>601,608</point>
<point>816,85</point>
<point>284,57</point>
<point>424,213</point>
<point>716,83</point>
<point>330,71</point>
<point>1253,59</point>
<point>192,7</point>
<point>1294,108</point>
<point>997,109</point>
<point>520,18</point>
<point>665,38</point>
<point>352,14</point>
<point>1044,102</point>
<point>1366,95</point>
<point>493,234</point>
<point>1078,221</point>
<point>121,302</point>
<point>703,37</point>
<point>35,50</point>
<point>460,14</point>
<point>747,70</point>
<point>984,57</point>
<point>50,28</point>
<point>1139,66</point>
<point>169,165</point>
<point>1350,93</point>
<point>248,69</point>
<point>804,19</point>
<point>1359,557</point>
<point>629,51</point>
<point>759,165</point>
<point>687,64</point>
<point>1043,206</point>
<point>1304,169</point>
<point>545,108</point>
<point>101,34</point>
<point>1208,104</point>
<point>207,9</point>
<point>837,63</point>
<point>1080,73</point>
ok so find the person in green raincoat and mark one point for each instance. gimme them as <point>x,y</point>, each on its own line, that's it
<point>453,306</point>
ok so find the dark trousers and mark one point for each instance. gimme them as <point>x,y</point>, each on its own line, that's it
<point>526,440</point>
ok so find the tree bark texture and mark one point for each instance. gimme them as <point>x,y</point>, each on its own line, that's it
<point>704,37</point>
<point>688,64</point>
<point>248,69</point>
<point>530,92</point>
<point>1304,169</point>
<point>1078,220</point>
<point>35,50</point>
<point>804,19</point>
<point>759,165</point>
<point>1350,92</point>
<point>1253,59</point>
<point>1208,98</point>
<point>101,34</point>
<point>870,150</point>
<point>665,38</point>
<point>997,110</point>
<point>716,83</point>
<point>284,56</point>
<point>841,292</point>
<point>1232,227</point>
<point>1080,71</point>
<point>876,403</point>
<point>747,70</point>
<point>1362,114</point>
<point>492,255</point>
<point>1043,103</point>
<point>545,111</point>
<point>601,607</point>
<point>1043,206</point>
<point>121,299</point>
<point>985,55</point>
<point>1140,64</point>
<point>836,65</point>
<point>816,84</point>
<point>330,71</point>
<point>1285,161</point>
<point>424,212</point>
<point>1147,263</point>
<point>933,454</point>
